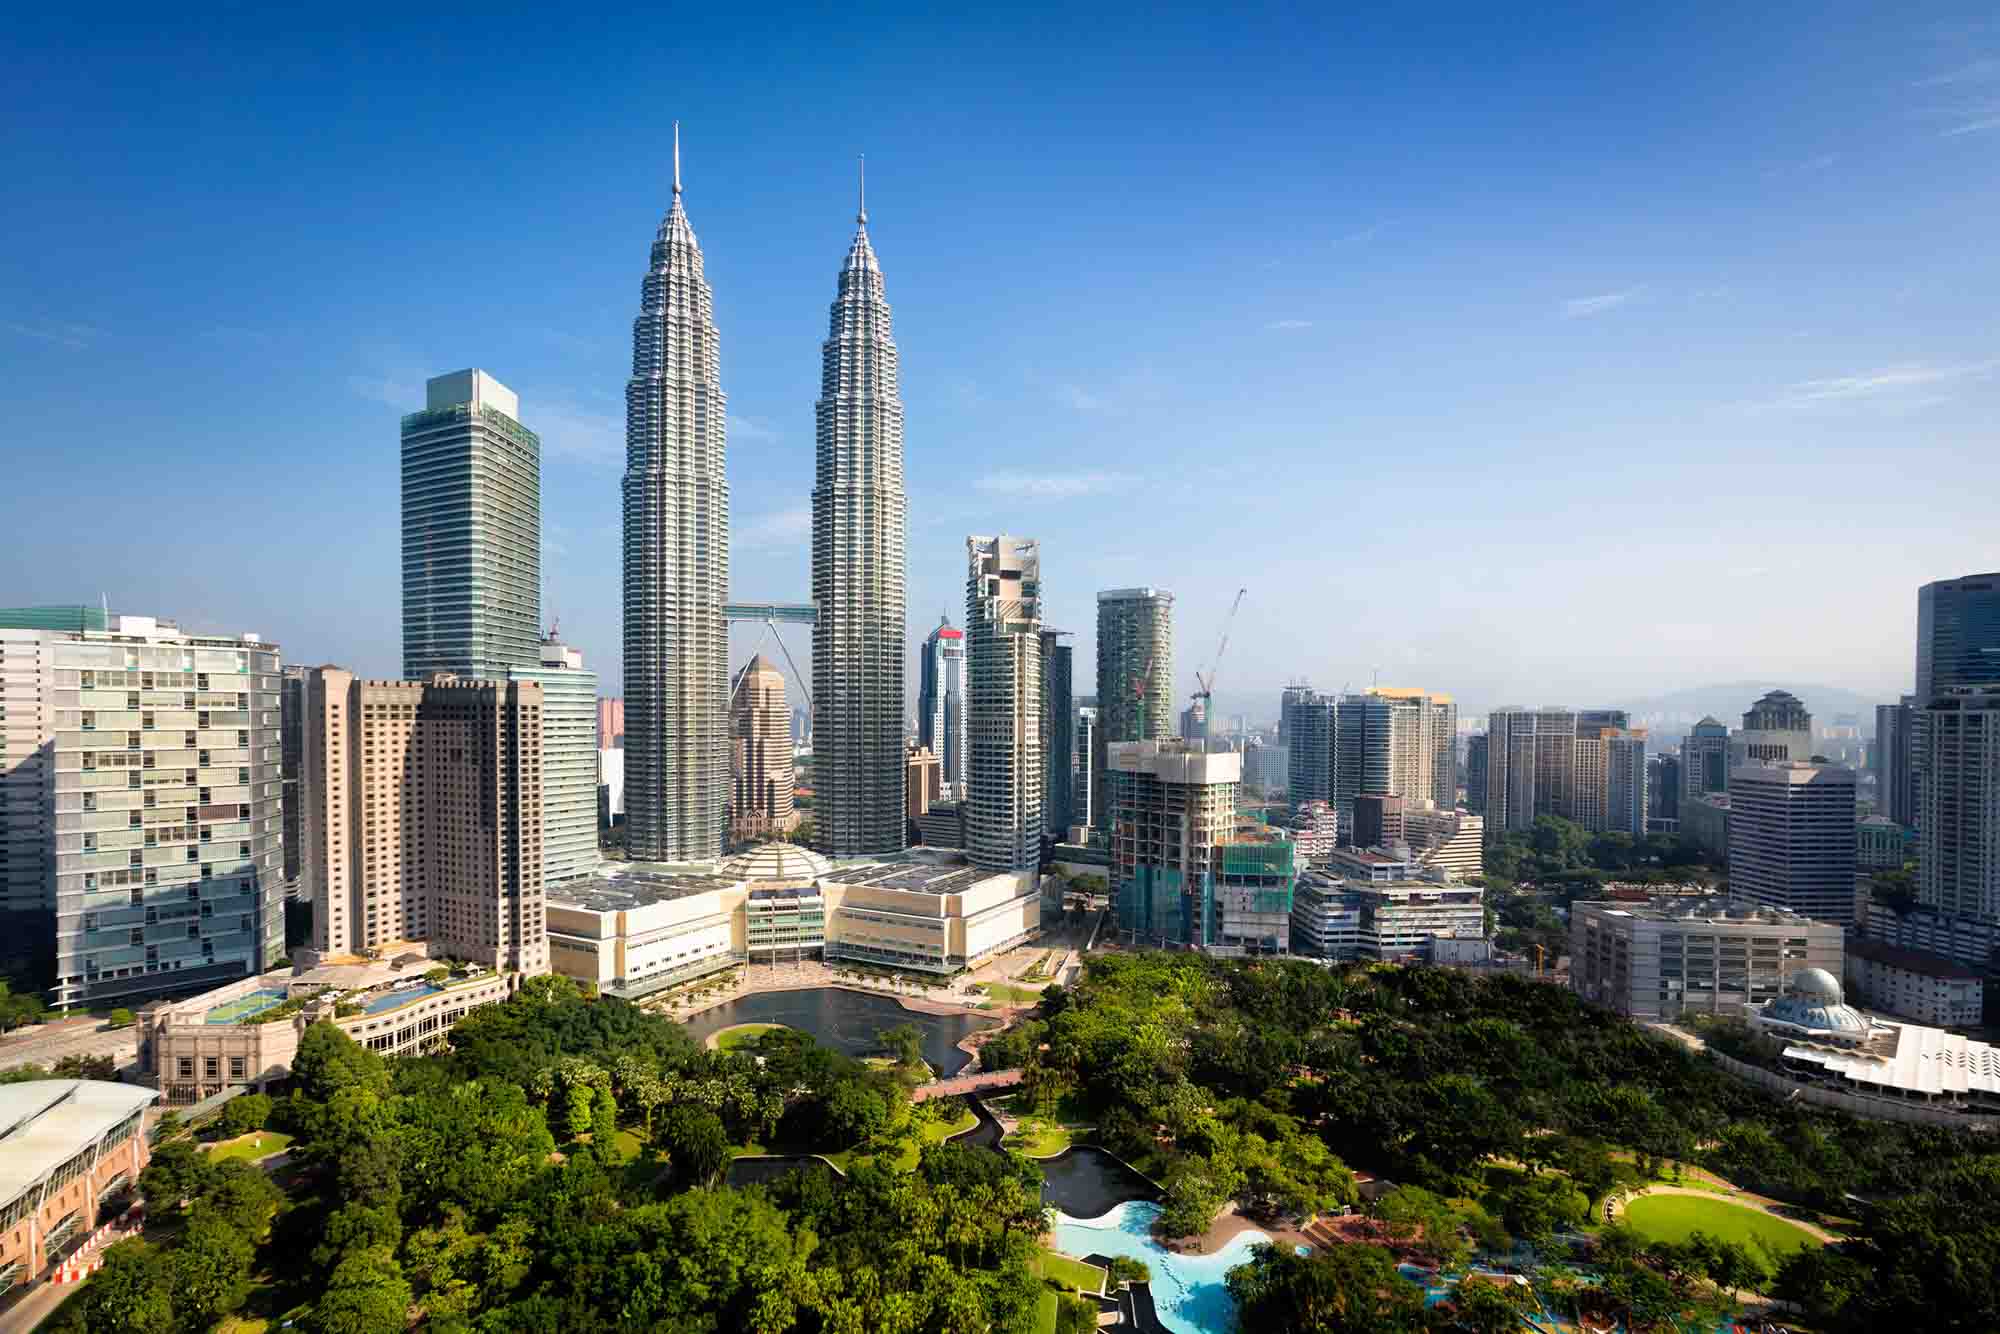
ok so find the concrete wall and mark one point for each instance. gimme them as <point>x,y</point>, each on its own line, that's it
<point>1875,1109</point>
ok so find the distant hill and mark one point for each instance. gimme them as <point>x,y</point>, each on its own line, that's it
<point>1727,703</point>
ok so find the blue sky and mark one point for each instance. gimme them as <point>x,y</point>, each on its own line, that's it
<point>1534,356</point>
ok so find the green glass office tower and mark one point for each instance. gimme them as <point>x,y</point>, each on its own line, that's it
<point>472,532</point>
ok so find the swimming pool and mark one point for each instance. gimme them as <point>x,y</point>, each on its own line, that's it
<point>389,1000</point>
<point>1188,1290</point>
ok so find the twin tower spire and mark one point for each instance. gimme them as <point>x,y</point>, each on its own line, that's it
<point>676,562</point>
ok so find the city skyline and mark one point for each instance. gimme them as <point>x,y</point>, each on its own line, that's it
<point>1742,349</point>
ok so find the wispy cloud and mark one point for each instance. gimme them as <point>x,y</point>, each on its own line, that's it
<point>1052,485</point>
<point>64,335</point>
<point>1081,399</point>
<point>1365,234</point>
<point>751,428</point>
<point>1887,380</point>
<point>1979,71</point>
<point>1582,307</point>
<point>1979,124</point>
<point>780,528</point>
<point>1289,324</point>
<point>402,395</point>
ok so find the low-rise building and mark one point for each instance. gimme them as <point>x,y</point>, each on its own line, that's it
<point>246,1034</point>
<point>1371,865</point>
<point>1880,844</point>
<point>640,932</point>
<point>1677,953</point>
<point>1357,919</point>
<point>1914,985</point>
<point>70,1150</point>
<point>1967,940</point>
<point>1831,1044</point>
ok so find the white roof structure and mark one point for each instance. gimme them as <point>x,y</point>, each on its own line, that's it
<point>775,861</point>
<point>1913,1059</point>
<point>46,1122</point>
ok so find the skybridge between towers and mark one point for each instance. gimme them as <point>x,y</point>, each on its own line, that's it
<point>772,615</point>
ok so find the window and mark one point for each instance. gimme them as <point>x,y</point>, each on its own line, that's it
<point>186,1067</point>
<point>236,1064</point>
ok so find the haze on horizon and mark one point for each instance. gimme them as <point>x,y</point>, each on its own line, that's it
<point>1585,359</point>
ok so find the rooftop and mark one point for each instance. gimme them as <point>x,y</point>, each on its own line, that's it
<point>775,861</point>
<point>1915,961</point>
<point>1688,908</point>
<point>917,879</point>
<point>46,1122</point>
<point>633,889</point>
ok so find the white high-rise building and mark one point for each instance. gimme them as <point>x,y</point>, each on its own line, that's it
<point>1792,840</point>
<point>169,839</point>
<point>860,531</point>
<point>676,559</point>
<point>1004,783</point>
<point>569,760</point>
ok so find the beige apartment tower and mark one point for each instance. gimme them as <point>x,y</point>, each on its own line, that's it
<point>760,731</point>
<point>424,817</point>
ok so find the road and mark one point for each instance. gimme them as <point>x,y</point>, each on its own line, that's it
<point>45,1044</point>
<point>34,1307</point>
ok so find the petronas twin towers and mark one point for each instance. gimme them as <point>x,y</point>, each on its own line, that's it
<point>676,564</point>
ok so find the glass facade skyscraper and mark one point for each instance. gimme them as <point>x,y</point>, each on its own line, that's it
<point>676,559</point>
<point>860,530</point>
<point>1135,675</point>
<point>472,531</point>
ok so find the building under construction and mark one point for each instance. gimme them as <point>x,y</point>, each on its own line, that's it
<point>1171,804</point>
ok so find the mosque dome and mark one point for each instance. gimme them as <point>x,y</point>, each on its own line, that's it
<point>775,861</point>
<point>1814,984</point>
<point>1812,1003</point>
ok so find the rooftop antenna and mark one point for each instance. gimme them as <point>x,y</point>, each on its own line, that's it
<point>861,197</point>
<point>677,157</point>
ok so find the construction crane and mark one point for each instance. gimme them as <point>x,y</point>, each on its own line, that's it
<point>1205,695</point>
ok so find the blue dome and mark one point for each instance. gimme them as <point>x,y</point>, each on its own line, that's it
<point>1815,1015</point>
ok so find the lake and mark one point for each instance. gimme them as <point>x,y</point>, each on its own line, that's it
<point>846,1021</point>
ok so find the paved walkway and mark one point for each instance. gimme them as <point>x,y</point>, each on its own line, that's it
<point>45,1044</point>
<point>961,1085</point>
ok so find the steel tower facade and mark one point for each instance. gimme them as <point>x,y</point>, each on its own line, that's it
<point>860,531</point>
<point>676,559</point>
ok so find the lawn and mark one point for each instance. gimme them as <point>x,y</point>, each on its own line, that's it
<point>742,1035</point>
<point>249,1148</point>
<point>936,1132</point>
<point>1070,1273</point>
<point>628,1144</point>
<point>1046,1310</point>
<point>1673,1217</point>
<point>1006,995</point>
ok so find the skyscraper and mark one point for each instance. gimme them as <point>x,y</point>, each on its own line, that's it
<point>1475,773</point>
<point>1397,741</point>
<point>1003,655</point>
<point>1890,756</point>
<point>941,703</point>
<point>472,531</point>
<point>166,764</point>
<point>1083,765</point>
<point>676,558</point>
<point>1958,809</point>
<point>1135,673</point>
<point>1173,805</point>
<point>1792,840</point>
<point>860,530</point>
<point>1058,731</point>
<point>1776,730</point>
<point>27,824</point>
<point>424,816</point>
<point>759,726</point>
<point>1307,725</point>
<point>1705,759</point>
<point>1958,634</point>
<point>569,760</point>
<point>292,753</point>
